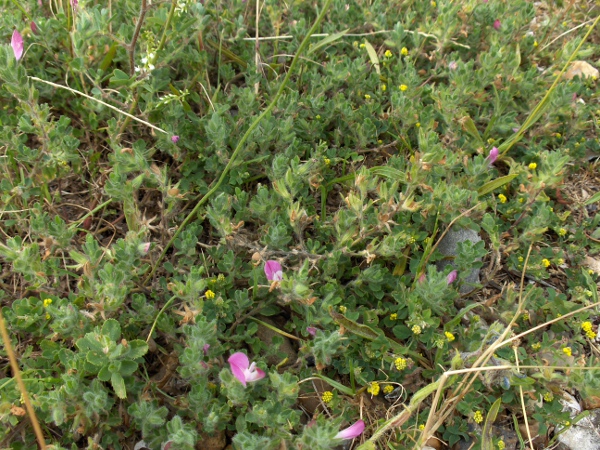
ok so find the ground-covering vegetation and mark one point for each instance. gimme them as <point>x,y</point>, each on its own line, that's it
<point>220,222</point>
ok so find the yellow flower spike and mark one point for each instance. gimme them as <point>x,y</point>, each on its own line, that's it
<point>362,45</point>
<point>449,336</point>
<point>416,329</point>
<point>478,417</point>
<point>388,54</point>
<point>567,351</point>
<point>383,87</point>
<point>562,232</point>
<point>47,302</point>
<point>367,96</point>
<point>404,51</point>
<point>388,388</point>
<point>403,87</point>
<point>393,316</point>
<point>502,198</point>
<point>209,294</point>
<point>546,262</point>
<point>327,396</point>
<point>532,166</point>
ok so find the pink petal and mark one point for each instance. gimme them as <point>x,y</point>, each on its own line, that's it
<point>254,375</point>
<point>174,139</point>
<point>493,156</point>
<point>311,330</point>
<point>34,28</point>
<point>451,278</point>
<point>205,349</point>
<point>239,365</point>
<point>352,431</point>
<point>273,270</point>
<point>497,24</point>
<point>17,44</point>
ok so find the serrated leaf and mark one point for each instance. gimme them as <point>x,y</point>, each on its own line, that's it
<point>136,349</point>
<point>495,184</point>
<point>112,329</point>
<point>104,374</point>
<point>118,384</point>
<point>373,57</point>
<point>328,40</point>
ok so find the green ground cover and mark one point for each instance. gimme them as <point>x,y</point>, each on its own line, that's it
<point>220,222</point>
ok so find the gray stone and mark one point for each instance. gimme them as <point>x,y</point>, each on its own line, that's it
<point>585,434</point>
<point>448,247</point>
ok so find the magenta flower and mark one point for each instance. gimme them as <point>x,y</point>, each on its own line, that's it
<point>205,349</point>
<point>451,278</point>
<point>34,28</point>
<point>17,44</point>
<point>352,431</point>
<point>496,24</point>
<point>311,330</point>
<point>273,270</point>
<point>493,156</point>
<point>243,370</point>
<point>175,139</point>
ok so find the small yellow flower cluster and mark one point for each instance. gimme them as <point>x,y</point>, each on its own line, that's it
<point>343,309</point>
<point>567,351</point>
<point>478,417</point>
<point>520,258</point>
<point>400,363</point>
<point>374,388</point>
<point>535,43</point>
<point>548,396</point>
<point>501,445</point>
<point>362,45</point>
<point>209,294</point>
<point>416,329</point>
<point>327,396</point>
<point>393,316</point>
<point>587,329</point>
<point>449,336</point>
<point>546,262</point>
<point>47,302</point>
<point>502,198</point>
<point>562,232</point>
<point>403,87</point>
<point>532,166</point>
<point>525,316</point>
<point>367,96</point>
<point>383,87</point>
<point>388,54</point>
<point>404,51</point>
<point>327,161</point>
<point>388,388</point>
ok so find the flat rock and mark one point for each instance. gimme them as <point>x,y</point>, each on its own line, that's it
<point>448,247</point>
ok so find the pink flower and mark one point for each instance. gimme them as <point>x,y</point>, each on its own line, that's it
<point>144,247</point>
<point>243,370</point>
<point>205,349</point>
<point>273,270</point>
<point>453,65</point>
<point>451,278</point>
<point>34,28</point>
<point>496,24</point>
<point>493,156</point>
<point>174,139</point>
<point>352,431</point>
<point>17,44</point>
<point>311,330</point>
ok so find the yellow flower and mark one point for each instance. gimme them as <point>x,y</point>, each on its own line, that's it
<point>526,316</point>
<point>367,96</point>
<point>557,135</point>
<point>416,329</point>
<point>388,54</point>
<point>343,309</point>
<point>418,124</point>
<point>478,417</point>
<point>501,445</point>
<point>403,87</point>
<point>535,43</point>
<point>502,198</point>
<point>433,4</point>
<point>221,277</point>
<point>546,262</point>
<point>548,396</point>
<point>362,45</point>
<point>449,336</point>
<point>521,200</point>
<point>355,44</point>
<point>532,166</point>
<point>393,316</point>
<point>374,388</point>
<point>383,87</point>
<point>209,294</point>
<point>422,427</point>
<point>567,351</point>
<point>327,396</point>
<point>590,334</point>
<point>327,161</point>
<point>520,258</point>
<point>47,302</point>
<point>379,141</point>
<point>400,363</point>
<point>404,51</point>
<point>560,261</point>
<point>318,117</point>
<point>562,232</point>
<point>586,326</point>
<point>47,316</point>
<point>388,388</point>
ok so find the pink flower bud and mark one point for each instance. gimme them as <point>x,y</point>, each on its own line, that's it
<point>352,431</point>
<point>17,44</point>
<point>496,24</point>
<point>34,28</point>
<point>273,270</point>
<point>493,156</point>
<point>311,330</point>
<point>174,139</point>
<point>451,278</point>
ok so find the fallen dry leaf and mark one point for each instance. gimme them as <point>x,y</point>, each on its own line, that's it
<point>581,69</point>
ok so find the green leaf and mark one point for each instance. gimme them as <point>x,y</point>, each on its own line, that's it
<point>339,386</point>
<point>495,184</point>
<point>107,60</point>
<point>112,329</point>
<point>373,57</point>
<point>328,40</point>
<point>469,126</point>
<point>128,367</point>
<point>119,78</point>
<point>486,438</point>
<point>388,172</point>
<point>104,374</point>
<point>593,199</point>
<point>136,349</point>
<point>118,384</point>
